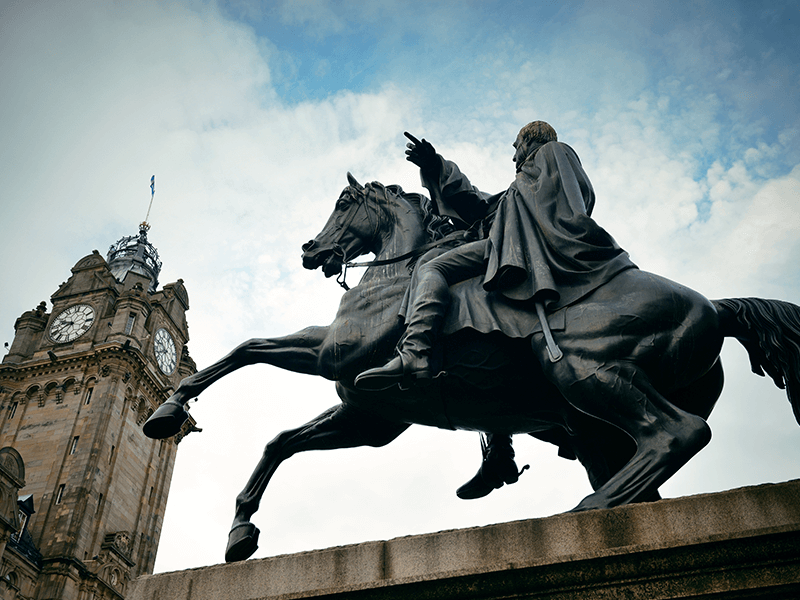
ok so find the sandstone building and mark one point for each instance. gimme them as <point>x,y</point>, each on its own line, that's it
<point>82,490</point>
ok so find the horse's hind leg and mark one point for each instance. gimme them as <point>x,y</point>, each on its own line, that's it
<point>604,450</point>
<point>620,393</point>
<point>700,396</point>
<point>339,427</point>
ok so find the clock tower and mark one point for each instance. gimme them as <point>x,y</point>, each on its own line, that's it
<point>75,387</point>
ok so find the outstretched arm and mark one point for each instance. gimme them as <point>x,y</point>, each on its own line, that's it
<point>450,189</point>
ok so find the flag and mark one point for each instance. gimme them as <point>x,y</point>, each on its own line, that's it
<point>153,185</point>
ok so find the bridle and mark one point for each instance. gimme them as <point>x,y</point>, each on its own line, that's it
<point>360,199</point>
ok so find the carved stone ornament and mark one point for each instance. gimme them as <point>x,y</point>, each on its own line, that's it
<point>12,479</point>
<point>12,465</point>
<point>143,410</point>
<point>118,542</point>
<point>122,540</point>
<point>89,262</point>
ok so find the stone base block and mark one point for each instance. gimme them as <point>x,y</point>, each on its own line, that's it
<point>742,543</point>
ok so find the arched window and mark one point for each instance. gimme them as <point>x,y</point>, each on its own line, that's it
<point>12,579</point>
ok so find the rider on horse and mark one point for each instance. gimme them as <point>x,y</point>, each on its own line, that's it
<point>537,243</point>
<point>639,371</point>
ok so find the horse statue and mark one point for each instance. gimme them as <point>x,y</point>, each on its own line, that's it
<point>639,376</point>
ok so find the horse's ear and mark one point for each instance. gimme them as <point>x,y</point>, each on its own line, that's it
<point>352,181</point>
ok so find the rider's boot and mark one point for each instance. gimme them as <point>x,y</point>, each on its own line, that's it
<point>424,321</point>
<point>498,468</point>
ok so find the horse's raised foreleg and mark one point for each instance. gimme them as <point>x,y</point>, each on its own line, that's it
<point>339,427</point>
<point>297,352</point>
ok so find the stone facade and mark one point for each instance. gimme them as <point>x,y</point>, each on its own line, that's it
<point>75,387</point>
<point>738,544</point>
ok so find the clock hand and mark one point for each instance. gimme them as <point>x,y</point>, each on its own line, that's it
<point>63,326</point>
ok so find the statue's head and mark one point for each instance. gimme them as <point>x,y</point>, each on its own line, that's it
<point>538,131</point>
<point>531,137</point>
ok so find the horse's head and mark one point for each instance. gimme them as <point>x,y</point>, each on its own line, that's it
<point>354,228</point>
<point>374,218</point>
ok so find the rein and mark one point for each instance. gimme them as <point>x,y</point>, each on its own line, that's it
<point>411,254</point>
<point>553,351</point>
<point>415,253</point>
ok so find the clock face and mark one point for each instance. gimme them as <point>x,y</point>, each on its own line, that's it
<point>71,323</point>
<point>164,346</point>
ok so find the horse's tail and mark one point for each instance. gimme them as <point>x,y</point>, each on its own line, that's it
<point>770,332</point>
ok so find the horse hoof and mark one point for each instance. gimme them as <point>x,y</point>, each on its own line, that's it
<point>242,542</point>
<point>166,421</point>
<point>592,502</point>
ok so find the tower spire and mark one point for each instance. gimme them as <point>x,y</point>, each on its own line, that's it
<point>135,253</point>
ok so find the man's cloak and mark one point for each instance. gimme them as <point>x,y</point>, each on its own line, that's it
<point>543,244</point>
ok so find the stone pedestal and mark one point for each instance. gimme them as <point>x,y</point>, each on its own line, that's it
<point>742,543</point>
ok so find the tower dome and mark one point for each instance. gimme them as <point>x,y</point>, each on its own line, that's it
<point>135,254</point>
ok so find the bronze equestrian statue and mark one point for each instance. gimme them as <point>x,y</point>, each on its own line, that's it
<point>638,376</point>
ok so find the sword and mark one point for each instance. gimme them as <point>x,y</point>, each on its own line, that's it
<point>552,348</point>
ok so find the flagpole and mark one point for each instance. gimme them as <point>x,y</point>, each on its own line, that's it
<point>145,224</point>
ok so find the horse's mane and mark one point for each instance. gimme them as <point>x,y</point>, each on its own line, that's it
<point>436,227</point>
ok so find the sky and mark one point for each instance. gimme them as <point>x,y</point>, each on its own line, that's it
<point>685,116</point>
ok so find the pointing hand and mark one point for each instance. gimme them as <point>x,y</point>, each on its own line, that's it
<point>421,153</point>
